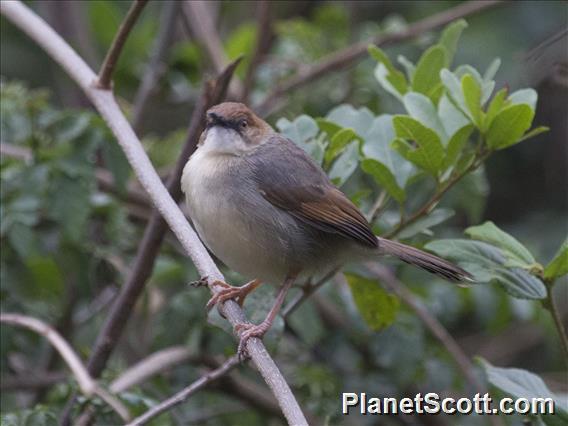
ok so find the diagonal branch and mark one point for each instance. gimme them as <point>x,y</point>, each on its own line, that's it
<point>104,101</point>
<point>86,383</point>
<point>343,58</point>
<point>185,393</point>
<point>105,74</point>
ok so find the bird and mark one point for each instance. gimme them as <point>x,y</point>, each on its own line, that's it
<point>269,212</point>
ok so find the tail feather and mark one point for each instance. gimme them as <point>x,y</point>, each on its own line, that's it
<point>424,260</point>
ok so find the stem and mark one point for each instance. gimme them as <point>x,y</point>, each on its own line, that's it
<point>550,305</point>
<point>107,68</point>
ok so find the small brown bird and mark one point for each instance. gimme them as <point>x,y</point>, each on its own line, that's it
<point>269,212</point>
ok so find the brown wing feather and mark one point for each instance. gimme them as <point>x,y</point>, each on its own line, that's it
<point>309,196</point>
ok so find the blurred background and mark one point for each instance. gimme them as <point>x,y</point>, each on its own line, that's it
<point>68,244</point>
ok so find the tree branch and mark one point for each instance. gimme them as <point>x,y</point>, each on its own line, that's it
<point>155,67</point>
<point>264,38</point>
<point>104,101</point>
<point>105,74</point>
<point>202,24</point>
<point>150,366</point>
<point>87,384</point>
<point>436,328</point>
<point>185,393</point>
<point>343,58</point>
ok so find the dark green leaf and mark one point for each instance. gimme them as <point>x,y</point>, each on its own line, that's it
<point>491,234</point>
<point>509,126</point>
<point>450,37</point>
<point>472,96</point>
<point>377,307</point>
<point>424,224</point>
<point>524,384</point>
<point>338,142</point>
<point>46,275</point>
<point>429,152</point>
<point>559,265</point>
<point>456,144</point>
<point>498,102</point>
<point>488,264</point>
<point>427,75</point>
<point>384,178</point>
<point>390,78</point>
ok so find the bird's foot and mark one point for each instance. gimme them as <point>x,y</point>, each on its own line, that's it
<point>231,292</point>
<point>247,331</point>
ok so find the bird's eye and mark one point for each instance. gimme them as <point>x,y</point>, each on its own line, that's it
<point>244,124</point>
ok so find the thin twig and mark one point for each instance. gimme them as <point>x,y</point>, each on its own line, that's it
<point>150,366</point>
<point>104,101</point>
<point>107,68</point>
<point>436,328</point>
<point>343,58</point>
<point>550,305</point>
<point>378,206</point>
<point>155,65</point>
<point>87,384</point>
<point>185,393</point>
<point>306,292</point>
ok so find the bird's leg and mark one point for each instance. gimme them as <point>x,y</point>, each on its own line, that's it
<point>231,292</point>
<point>248,330</point>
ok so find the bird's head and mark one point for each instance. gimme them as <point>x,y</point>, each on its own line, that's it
<point>232,128</point>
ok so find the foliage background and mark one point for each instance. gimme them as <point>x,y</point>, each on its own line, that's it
<point>67,244</point>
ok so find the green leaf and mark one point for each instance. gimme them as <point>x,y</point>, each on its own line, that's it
<point>300,130</point>
<point>559,265</point>
<point>524,96</point>
<point>383,177</point>
<point>70,205</point>
<point>534,132</point>
<point>488,264</point>
<point>498,102</point>
<point>345,164</point>
<point>524,384</point>
<point>472,96</point>
<point>359,120</point>
<point>456,144</point>
<point>453,118</point>
<point>454,90</point>
<point>423,225</point>
<point>377,307</point>
<point>241,42</point>
<point>509,126</point>
<point>338,142</point>
<point>429,152</point>
<point>328,127</point>
<point>422,109</point>
<point>491,234</point>
<point>427,75</point>
<point>409,67</point>
<point>46,275</point>
<point>377,147</point>
<point>492,69</point>
<point>450,37</point>
<point>390,78</point>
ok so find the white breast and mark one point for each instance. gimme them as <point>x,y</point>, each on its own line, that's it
<point>222,225</point>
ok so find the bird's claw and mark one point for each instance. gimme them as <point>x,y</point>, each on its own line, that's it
<point>246,332</point>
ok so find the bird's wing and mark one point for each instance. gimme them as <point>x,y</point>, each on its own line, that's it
<point>289,179</point>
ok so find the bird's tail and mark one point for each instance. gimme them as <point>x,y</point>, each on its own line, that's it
<point>424,260</point>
